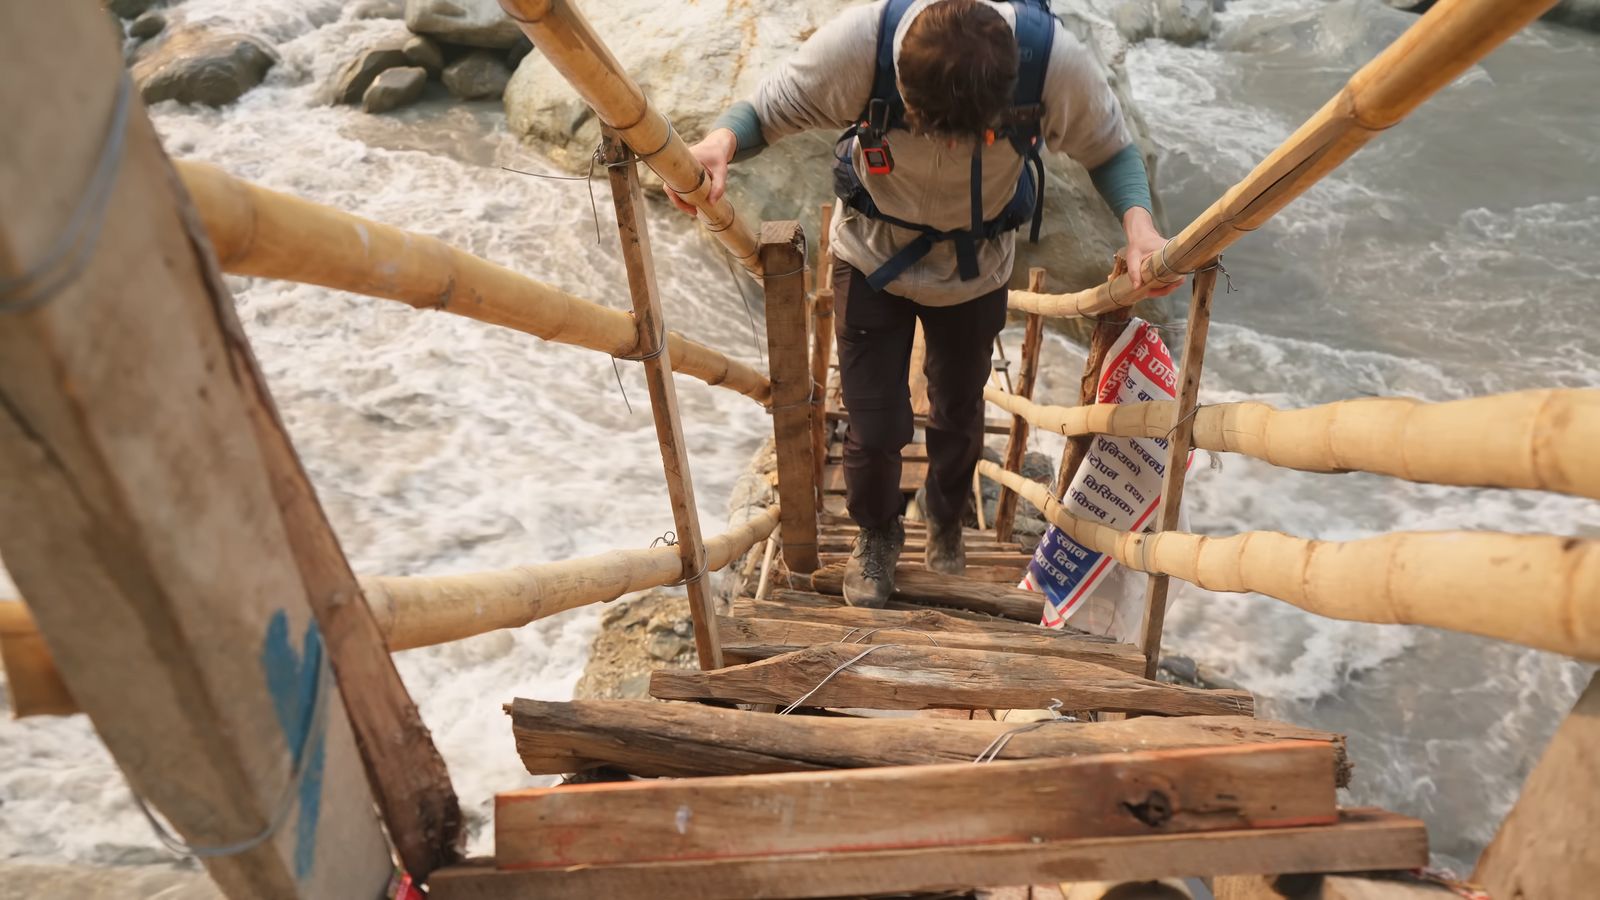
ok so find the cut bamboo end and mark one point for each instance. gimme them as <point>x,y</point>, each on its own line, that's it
<point>31,676</point>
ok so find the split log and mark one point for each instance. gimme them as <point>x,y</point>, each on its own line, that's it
<point>782,254</point>
<point>271,235</point>
<point>571,45</point>
<point>798,606</point>
<point>1443,43</point>
<point>1141,792</point>
<point>1363,839</point>
<point>1541,591</point>
<point>748,640</point>
<point>1005,509</point>
<point>683,740</point>
<point>1534,440</point>
<point>418,611</point>
<point>31,676</point>
<point>1397,885</point>
<point>912,677</point>
<point>821,342</point>
<point>914,584</point>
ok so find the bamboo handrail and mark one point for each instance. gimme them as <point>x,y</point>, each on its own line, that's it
<point>260,232</point>
<point>1534,440</point>
<point>565,37</point>
<point>1541,591</point>
<point>418,611</point>
<point>1445,41</point>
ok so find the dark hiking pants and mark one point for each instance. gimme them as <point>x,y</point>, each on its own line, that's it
<point>875,332</point>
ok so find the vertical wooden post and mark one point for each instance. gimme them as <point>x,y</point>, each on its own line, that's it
<point>782,255</point>
<point>1178,446</point>
<point>1107,329</point>
<point>822,348</point>
<point>153,511</point>
<point>651,347</point>
<point>1546,847</point>
<point>1005,511</point>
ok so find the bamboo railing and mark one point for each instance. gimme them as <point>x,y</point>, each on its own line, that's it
<point>560,31</point>
<point>259,232</point>
<point>1534,440</point>
<point>1446,41</point>
<point>1541,591</point>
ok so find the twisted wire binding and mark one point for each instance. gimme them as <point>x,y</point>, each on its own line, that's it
<point>70,252</point>
<point>991,752</point>
<point>828,677</point>
<point>669,538</point>
<point>863,638</point>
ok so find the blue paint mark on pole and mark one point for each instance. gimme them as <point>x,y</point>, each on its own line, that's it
<point>292,680</point>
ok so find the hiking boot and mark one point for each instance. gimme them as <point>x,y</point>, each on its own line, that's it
<point>946,553</point>
<point>869,576</point>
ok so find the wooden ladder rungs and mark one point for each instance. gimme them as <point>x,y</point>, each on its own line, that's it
<point>984,588</point>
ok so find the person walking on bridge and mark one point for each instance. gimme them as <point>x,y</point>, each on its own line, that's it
<point>946,106</point>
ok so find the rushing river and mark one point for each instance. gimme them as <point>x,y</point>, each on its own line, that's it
<point>1453,257</point>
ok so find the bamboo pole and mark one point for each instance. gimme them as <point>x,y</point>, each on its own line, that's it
<point>1005,510</point>
<point>1443,43</point>
<point>31,675</point>
<point>1178,443</point>
<point>1533,440</point>
<point>259,232</point>
<point>1540,591</point>
<point>569,42</point>
<point>419,611</point>
<point>822,346</point>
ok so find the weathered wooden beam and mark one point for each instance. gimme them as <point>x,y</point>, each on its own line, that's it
<point>783,258</point>
<point>1107,329</point>
<point>807,607</point>
<point>914,584</point>
<point>896,676</point>
<point>32,679</point>
<point>1398,885</point>
<point>149,504</point>
<point>1549,845</point>
<point>821,343</point>
<point>652,739</point>
<point>634,231</point>
<point>750,639</point>
<point>1178,444</point>
<point>1141,792</point>
<point>1363,839</point>
<point>1005,510</point>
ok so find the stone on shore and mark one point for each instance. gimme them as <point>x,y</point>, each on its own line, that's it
<point>424,51</point>
<point>480,75</point>
<point>1183,22</point>
<point>129,9</point>
<point>147,26</point>
<point>200,66</point>
<point>378,9</point>
<point>394,88</point>
<point>352,81</point>
<point>475,23</point>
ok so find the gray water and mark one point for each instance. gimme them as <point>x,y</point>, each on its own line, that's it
<point>1451,258</point>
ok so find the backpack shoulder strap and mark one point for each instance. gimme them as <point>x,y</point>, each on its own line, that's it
<point>884,86</point>
<point>1036,35</point>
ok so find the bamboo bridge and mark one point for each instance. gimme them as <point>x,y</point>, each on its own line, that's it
<point>185,591</point>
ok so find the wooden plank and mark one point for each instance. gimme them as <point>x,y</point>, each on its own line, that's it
<point>749,639</point>
<point>821,340</point>
<point>652,739</point>
<point>1547,845</point>
<point>143,508</point>
<point>1400,885</point>
<point>990,426</point>
<point>1005,510</point>
<point>915,452</point>
<point>32,679</point>
<point>914,584</point>
<point>782,254</point>
<point>916,544</point>
<point>1008,559</point>
<point>1277,785</point>
<point>894,676</point>
<point>912,475</point>
<point>1362,839</point>
<point>1178,445</point>
<point>639,261</point>
<point>808,607</point>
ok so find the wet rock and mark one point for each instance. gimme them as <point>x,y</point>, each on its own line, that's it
<point>394,88</point>
<point>199,66</point>
<point>637,636</point>
<point>1583,14</point>
<point>378,9</point>
<point>480,75</point>
<point>520,49</point>
<point>476,23</point>
<point>424,51</point>
<point>1179,21</point>
<point>147,26</point>
<point>129,9</point>
<point>352,81</point>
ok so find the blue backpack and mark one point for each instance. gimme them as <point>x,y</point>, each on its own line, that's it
<point>1035,30</point>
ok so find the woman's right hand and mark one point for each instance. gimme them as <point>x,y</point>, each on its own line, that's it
<point>713,152</point>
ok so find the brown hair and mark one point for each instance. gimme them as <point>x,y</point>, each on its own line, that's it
<point>958,68</point>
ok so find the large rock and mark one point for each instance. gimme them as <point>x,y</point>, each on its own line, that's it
<point>394,88</point>
<point>350,84</point>
<point>147,26</point>
<point>425,52</point>
<point>476,23</point>
<point>1182,22</point>
<point>199,66</point>
<point>129,9</point>
<point>1583,14</point>
<point>790,179</point>
<point>480,75</point>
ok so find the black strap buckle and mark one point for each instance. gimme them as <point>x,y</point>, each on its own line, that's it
<point>874,143</point>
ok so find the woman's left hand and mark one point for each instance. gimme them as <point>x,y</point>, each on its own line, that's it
<point>1143,241</point>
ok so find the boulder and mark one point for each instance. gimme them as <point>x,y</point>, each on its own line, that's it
<point>1583,14</point>
<point>147,26</point>
<point>394,88</point>
<point>200,66</point>
<point>1182,22</point>
<point>480,75</point>
<point>378,9</point>
<point>476,23</point>
<point>130,9</point>
<point>352,81</point>
<point>423,51</point>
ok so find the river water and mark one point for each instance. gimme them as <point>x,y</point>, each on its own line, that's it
<point>1453,257</point>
